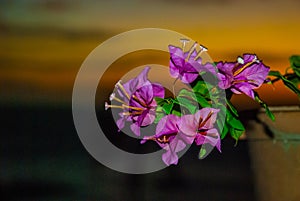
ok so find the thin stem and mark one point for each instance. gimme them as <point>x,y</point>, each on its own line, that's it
<point>173,87</point>
<point>287,75</point>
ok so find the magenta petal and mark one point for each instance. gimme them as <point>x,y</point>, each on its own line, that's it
<point>177,145</point>
<point>158,90</point>
<point>188,77</point>
<point>121,122</point>
<point>188,125</point>
<point>226,68</point>
<point>174,71</point>
<point>135,129</point>
<point>208,67</point>
<point>212,137</point>
<point>224,81</point>
<point>146,118</point>
<point>170,158</point>
<point>245,88</point>
<point>132,85</point>
<point>167,125</point>
<point>248,57</point>
<point>256,74</point>
<point>177,51</point>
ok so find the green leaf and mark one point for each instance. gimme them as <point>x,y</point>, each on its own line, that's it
<point>202,100</point>
<point>192,107</point>
<point>295,64</point>
<point>235,126</point>
<point>233,122</point>
<point>232,108</point>
<point>167,104</point>
<point>160,101</point>
<point>287,82</point>
<point>224,129</point>
<point>265,106</point>
<point>195,96</point>
<point>177,113</point>
<point>202,153</point>
<point>159,114</point>
<point>168,107</point>
<point>202,88</point>
<point>235,133</point>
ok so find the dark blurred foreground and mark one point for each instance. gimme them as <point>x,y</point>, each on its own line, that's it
<point>42,158</point>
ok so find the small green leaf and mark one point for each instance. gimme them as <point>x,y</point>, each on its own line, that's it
<point>233,122</point>
<point>265,106</point>
<point>202,153</point>
<point>235,126</point>
<point>202,101</point>
<point>167,104</point>
<point>160,101</point>
<point>295,64</point>
<point>223,127</point>
<point>177,113</point>
<point>235,133</point>
<point>192,107</point>
<point>202,88</point>
<point>159,114</point>
<point>232,108</point>
<point>287,82</point>
<point>168,107</point>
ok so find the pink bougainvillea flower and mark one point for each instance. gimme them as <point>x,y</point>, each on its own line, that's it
<point>169,138</point>
<point>187,65</point>
<point>243,76</point>
<point>199,127</point>
<point>137,101</point>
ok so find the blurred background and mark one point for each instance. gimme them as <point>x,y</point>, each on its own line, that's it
<point>43,44</point>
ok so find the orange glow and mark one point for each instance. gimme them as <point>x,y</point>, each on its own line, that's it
<point>41,58</point>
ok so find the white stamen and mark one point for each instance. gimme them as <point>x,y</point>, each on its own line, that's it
<point>120,86</point>
<point>118,83</point>
<point>112,96</point>
<point>193,47</point>
<point>191,50</point>
<point>240,60</point>
<point>106,106</point>
<point>204,49</point>
<point>256,59</point>
<point>184,41</point>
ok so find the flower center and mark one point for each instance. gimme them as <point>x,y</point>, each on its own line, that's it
<point>163,139</point>
<point>202,122</point>
<point>129,109</point>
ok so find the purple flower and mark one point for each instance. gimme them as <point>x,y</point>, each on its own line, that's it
<point>243,76</point>
<point>137,101</point>
<point>168,137</point>
<point>199,127</point>
<point>187,65</point>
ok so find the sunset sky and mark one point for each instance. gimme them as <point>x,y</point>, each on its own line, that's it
<point>43,43</point>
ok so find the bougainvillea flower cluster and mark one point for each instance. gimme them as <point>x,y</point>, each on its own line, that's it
<point>140,101</point>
